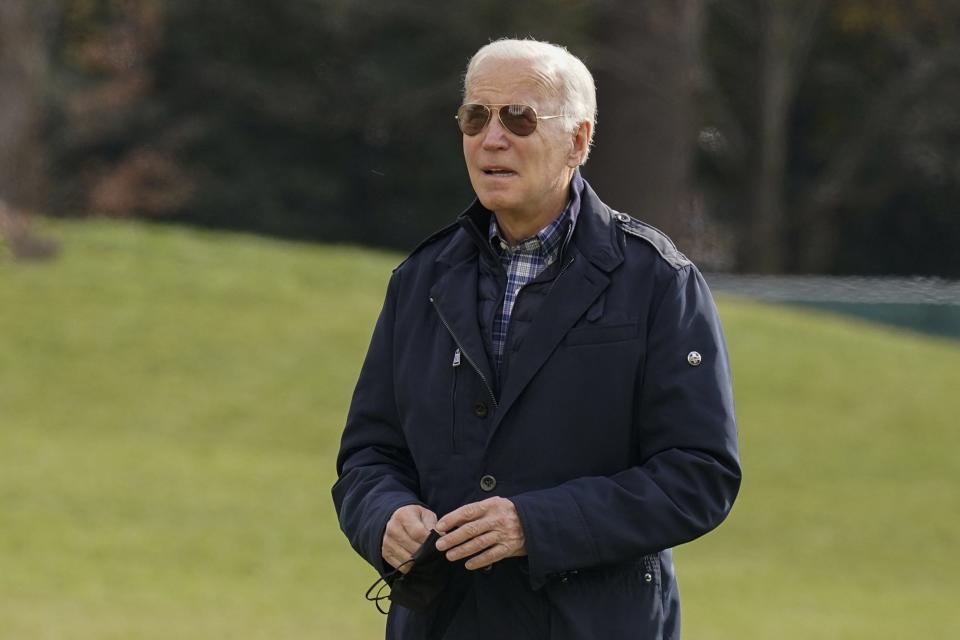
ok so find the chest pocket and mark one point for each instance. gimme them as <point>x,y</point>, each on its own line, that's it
<point>600,334</point>
<point>595,328</point>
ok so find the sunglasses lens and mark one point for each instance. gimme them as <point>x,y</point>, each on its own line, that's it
<point>472,118</point>
<point>519,118</point>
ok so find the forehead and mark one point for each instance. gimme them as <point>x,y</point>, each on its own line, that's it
<point>505,81</point>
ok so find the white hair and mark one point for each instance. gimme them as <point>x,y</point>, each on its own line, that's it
<point>567,77</point>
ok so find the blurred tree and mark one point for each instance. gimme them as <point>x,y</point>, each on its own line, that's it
<point>821,125</point>
<point>802,103</point>
<point>24,33</point>
<point>645,64</point>
<point>787,30</point>
<point>756,60</point>
<point>117,149</point>
<point>327,120</point>
<point>885,198</point>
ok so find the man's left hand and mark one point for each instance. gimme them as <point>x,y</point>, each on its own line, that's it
<point>490,528</point>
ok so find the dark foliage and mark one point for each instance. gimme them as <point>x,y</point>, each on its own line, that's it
<point>332,120</point>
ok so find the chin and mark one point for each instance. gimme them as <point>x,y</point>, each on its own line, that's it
<point>494,201</point>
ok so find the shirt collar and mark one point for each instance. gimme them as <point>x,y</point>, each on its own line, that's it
<point>548,240</point>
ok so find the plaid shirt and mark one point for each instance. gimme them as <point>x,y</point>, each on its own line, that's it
<point>526,261</point>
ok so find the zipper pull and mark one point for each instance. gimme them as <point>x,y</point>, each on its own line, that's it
<point>456,357</point>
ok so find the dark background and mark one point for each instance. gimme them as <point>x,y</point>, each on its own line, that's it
<point>786,136</point>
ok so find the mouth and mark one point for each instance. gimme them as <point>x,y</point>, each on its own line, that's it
<point>499,172</point>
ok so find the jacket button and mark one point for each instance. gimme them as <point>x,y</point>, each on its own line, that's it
<point>480,410</point>
<point>648,578</point>
<point>488,483</point>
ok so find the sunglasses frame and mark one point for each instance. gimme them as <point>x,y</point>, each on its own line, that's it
<point>499,111</point>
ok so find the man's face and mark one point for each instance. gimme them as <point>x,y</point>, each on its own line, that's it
<point>511,174</point>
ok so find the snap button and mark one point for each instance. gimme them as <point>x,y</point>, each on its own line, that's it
<point>694,358</point>
<point>488,483</point>
<point>622,217</point>
<point>648,578</point>
<point>480,410</point>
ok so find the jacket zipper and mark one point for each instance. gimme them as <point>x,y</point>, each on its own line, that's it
<point>453,402</point>
<point>466,355</point>
<point>562,270</point>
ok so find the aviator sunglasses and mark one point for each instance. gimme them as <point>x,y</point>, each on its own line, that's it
<point>519,119</point>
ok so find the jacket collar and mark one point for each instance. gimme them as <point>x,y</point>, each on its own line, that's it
<point>469,239</point>
<point>595,234</point>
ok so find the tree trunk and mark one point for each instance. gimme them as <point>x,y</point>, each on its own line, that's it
<point>24,25</point>
<point>22,64</point>
<point>645,69</point>
<point>787,31</point>
<point>764,250</point>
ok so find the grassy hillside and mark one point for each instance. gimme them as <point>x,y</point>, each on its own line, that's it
<point>170,407</point>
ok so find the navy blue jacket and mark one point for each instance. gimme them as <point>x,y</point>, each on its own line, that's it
<point>613,433</point>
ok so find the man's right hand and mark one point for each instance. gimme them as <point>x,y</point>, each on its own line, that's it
<point>406,531</point>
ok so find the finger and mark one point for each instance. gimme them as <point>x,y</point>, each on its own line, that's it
<point>463,533</point>
<point>458,517</point>
<point>401,544</point>
<point>475,545</point>
<point>413,527</point>
<point>398,534</point>
<point>397,540</point>
<point>403,566</point>
<point>395,556</point>
<point>493,554</point>
<point>395,553</point>
<point>429,519</point>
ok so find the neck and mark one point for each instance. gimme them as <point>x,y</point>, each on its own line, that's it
<point>518,225</point>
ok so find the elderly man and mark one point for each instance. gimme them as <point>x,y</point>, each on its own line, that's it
<point>547,390</point>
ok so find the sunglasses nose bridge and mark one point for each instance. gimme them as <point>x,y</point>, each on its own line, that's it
<point>499,118</point>
<point>494,132</point>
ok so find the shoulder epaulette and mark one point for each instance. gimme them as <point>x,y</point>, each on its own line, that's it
<point>656,238</point>
<point>433,237</point>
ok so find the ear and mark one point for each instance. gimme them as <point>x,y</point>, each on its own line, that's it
<point>580,142</point>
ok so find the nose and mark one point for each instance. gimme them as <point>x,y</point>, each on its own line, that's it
<point>494,135</point>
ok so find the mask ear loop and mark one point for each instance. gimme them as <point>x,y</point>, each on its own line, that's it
<point>382,583</point>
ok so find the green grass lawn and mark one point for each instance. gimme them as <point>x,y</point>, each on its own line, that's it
<point>170,408</point>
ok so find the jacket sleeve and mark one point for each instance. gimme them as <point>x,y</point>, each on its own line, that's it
<point>689,472</point>
<point>376,474</point>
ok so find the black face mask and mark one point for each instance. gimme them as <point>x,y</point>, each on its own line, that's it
<point>420,586</point>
